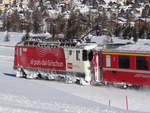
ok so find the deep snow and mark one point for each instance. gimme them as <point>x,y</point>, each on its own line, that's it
<point>38,96</point>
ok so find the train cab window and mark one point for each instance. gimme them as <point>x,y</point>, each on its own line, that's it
<point>141,62</point>
<point>78,55</point>
<point>124,61</point>
<point>90,56</point>
<point>108,61</point>
<point>84,55</point>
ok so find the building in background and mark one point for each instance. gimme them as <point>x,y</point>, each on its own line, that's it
<point>67,1</point>
<point>5,4</point>
<point>23,2</point>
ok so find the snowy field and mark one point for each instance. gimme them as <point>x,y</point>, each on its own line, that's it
<point>38,96</point>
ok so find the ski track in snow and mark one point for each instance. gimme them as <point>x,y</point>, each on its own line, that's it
<point>54,105</point>
<point>102,95</point>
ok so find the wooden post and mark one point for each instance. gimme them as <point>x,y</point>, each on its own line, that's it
<point>126,103</point>
<point>109,103</point>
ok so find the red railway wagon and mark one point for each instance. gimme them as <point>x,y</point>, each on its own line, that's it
<point>127,68</point>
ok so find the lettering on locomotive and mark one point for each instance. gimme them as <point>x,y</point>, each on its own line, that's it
<point>46,63</point>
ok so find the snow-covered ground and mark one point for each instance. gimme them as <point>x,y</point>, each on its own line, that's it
<point>38,96</point>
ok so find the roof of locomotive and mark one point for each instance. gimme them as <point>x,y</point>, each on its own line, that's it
<point>55,42</point>
<point>126,51</point>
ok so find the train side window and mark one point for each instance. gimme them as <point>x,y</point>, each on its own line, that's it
<point>70,52</point>
<point>100,60</point>
<point>84,55</point>
<point>20,51</point>
<point>78,55</point>
<point>108,61</point>
<point>124,61</point>
<point>141,62</point>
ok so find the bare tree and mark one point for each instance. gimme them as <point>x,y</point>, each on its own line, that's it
<point>6,36</point>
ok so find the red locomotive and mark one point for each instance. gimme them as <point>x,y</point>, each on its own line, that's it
<point>69,61</point>
<point>80,62</point>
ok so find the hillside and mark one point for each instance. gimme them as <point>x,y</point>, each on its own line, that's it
<point>118,18</point>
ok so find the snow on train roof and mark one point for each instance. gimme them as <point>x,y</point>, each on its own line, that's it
<point>102,40</point>
<point>143,45</point>
<point>89,46</point>
<point>45,39</point>
<point>48,35</point>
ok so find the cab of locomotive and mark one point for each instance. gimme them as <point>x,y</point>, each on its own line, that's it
<point>78,61</point>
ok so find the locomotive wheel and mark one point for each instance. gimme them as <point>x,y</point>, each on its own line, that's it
<point>68,80</point>
<point>77,81</point>
<point>124,87</point>
<point>39,76</point>
<point>21,73</point>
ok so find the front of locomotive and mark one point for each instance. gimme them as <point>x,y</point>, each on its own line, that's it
<point>79,62</point>
<point>87,60</point>
<point>17,60</point>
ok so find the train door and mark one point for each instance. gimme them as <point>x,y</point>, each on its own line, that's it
<point>97,62</point>
<point>16,58</point>
<point>18,54</point>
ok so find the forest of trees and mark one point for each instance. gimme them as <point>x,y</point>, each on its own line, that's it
<point>33,18</point>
